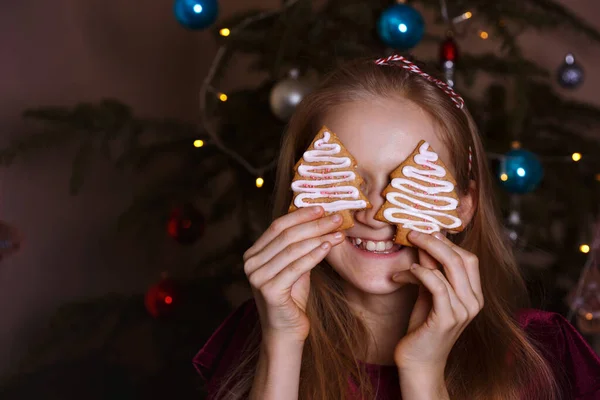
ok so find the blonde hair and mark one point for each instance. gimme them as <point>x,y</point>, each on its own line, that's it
<point>493,358</point>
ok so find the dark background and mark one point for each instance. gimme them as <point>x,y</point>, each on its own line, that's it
<point>66,51</point>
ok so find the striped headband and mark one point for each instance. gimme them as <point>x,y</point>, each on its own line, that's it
<point>407,64</point>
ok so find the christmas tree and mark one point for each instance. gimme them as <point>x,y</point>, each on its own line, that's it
<point>142,344</point>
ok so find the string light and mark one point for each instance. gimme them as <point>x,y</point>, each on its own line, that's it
<point>504,177</point>
<point>168,300</point>
<point>222,97</point>
<point>515,144</point>
<point>198,143</point>
<point>462,17</point>
<point>484,35</point>
<point>576,157</point>
<point>209,124</point>
<point>589,316</point>
<point>584,248</point>
<point>259,182</point>
<point>598,177</point>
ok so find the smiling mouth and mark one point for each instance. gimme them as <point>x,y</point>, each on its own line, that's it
<point>375,246</point>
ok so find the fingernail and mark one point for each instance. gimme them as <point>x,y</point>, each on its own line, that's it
<point>316,210</point>
<point>338,235</point>
<point>396,276</point>
<point>325,246</point>
<point>337,218</point>
<point>414,234</point>
<point>438,235</point>
<point>414,266</point>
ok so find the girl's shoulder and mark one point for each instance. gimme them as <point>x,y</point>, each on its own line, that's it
<point>566,350</point>
<point>226,343</point>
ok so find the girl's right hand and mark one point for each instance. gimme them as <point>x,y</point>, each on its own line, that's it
<point>278,267</point>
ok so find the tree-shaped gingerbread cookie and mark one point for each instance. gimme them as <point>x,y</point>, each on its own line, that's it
<point>326,176</point>
<point>421,196</point>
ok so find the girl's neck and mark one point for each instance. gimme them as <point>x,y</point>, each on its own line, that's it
<point>386,317</point>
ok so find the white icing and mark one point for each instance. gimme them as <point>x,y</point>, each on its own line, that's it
<point>320,178</point>
<point>430,213</point>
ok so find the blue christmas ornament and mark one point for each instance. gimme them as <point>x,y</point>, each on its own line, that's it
<point>401,27</point>
<point>520,171</point>
<point>196,14</point>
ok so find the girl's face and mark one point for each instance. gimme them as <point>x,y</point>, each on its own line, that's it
<point>380,134</point>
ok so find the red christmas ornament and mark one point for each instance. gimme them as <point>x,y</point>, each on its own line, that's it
<point>161,298</point>
<point>186,224</point>
<point>448,58</point>
<point>449,50</point>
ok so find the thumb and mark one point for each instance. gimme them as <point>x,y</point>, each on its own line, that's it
<point>421,309</point>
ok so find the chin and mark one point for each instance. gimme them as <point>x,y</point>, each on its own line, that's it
<point>371,271</point>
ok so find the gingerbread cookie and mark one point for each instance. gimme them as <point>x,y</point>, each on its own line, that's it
<point>421,196</point>
<point>326,176</point>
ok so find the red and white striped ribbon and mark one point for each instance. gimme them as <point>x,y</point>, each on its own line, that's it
<point>470,161</point>
<point>406,64</point>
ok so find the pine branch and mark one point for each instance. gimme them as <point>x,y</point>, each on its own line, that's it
<point>561,16</point>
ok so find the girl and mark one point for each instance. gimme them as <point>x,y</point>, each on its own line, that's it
<point>445,319</point>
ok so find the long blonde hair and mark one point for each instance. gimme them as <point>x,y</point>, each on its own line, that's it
<point>493,358</point>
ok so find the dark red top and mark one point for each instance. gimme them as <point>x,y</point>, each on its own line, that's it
<point>561,341</point>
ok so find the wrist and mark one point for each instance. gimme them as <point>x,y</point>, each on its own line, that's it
<point>274,346</point>
<point>278,336</point>
<point>423,385</point>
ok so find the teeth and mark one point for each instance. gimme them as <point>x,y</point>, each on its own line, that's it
<point>375,246</point>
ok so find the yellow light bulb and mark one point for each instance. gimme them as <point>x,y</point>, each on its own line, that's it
<point>584,248</point>
<point>259,182</point>
<point>589,316</point>
<point>484,35</point>
<point>225,32</point>
<point>468,14</point>
<point>503,177</point>
<point>222,97</point>
<point>198,143</point>
<point>515,144</point>
<point>576,157</point>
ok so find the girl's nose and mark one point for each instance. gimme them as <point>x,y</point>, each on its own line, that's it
<point>367,216</point>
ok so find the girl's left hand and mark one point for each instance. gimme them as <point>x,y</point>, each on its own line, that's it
<point>444,307</point>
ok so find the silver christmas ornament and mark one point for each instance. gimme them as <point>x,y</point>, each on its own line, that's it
<point>570,73</point>
<point>514,218</point>
<point>287,94</point>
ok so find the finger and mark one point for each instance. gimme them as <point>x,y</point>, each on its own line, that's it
<point>471,263</point>
<point>282,223</point>
<point>294,234</point>
<point>453,265</point>
<point>289,255</point>
<point>460,310</point>
<point>425,260</point>
<point>441,299</point>
<point>289,275</point>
